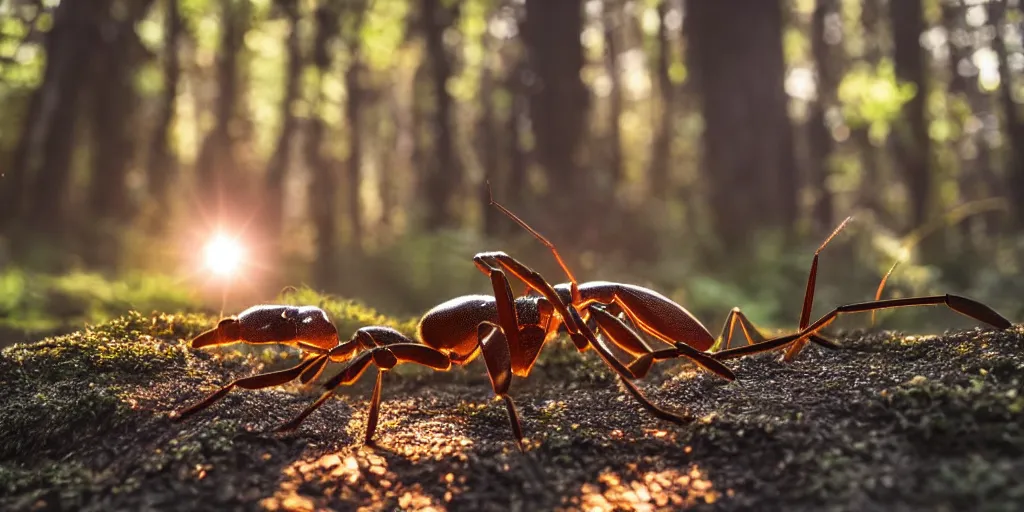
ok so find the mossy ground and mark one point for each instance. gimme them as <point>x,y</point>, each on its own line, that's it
<point>886,423</point>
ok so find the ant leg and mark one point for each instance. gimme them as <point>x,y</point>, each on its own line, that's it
<point>385,357</point>
<point>812,277</point>
<point>753,335</point>
<point>580,333</point>
<point>963,305</point>
<point>345,377</point>
<point>498,361</point>
<point>490,262</point>
<point>374,414</point>
<point>627,339</point>
<point>587,337</point>
<point>265,380</point>
<point>497,343</point>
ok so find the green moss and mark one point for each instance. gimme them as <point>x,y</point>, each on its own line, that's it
<point>887,424</point>
<point>66,388</point>
<point>58,416</point>
<point>34,484</point>
<point>132,347</point>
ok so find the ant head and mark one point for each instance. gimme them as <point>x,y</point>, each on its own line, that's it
<point>230,328</point>
<point>227,331</point>
<point>312,326</point>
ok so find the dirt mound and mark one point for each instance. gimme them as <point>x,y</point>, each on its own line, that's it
<point>887,422</point>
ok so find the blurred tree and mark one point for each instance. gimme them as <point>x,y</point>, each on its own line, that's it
<point>443,173</point>
<point>114,103</point>
<point>872,37</point>
<point>558,103</point>
<point>355,97</point>
<point>1011,119</point>
<point>323,185</point>
<point>735,50</point>
<point>162,164</point>
<point>976,179</point>
<point>281,159</point>
<point>43,155</point>
<point>612,22</point>
<point>487,138</point>
<point>911,140</point>
<point>824,38</point>
<point>661,149</point>
<point>515,129</point>
<point>221,188</point>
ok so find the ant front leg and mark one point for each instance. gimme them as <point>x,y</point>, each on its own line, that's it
<point>491,262</point>
<point>498,344</point>
<point>498,360</point>
<point>385,356</point>
<point>261,381</point>
<point>579,331</point>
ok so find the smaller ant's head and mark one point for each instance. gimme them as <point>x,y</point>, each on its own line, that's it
<point>227,331</point>
<point>313,327</point>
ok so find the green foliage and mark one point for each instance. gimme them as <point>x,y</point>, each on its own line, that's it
<point>872,97</point>
<point>31,302</point>
<point>382,32</point>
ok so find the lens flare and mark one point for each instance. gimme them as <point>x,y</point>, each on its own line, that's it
<point>223,255</point>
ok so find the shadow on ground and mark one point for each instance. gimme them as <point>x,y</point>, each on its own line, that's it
<point>886,423</point>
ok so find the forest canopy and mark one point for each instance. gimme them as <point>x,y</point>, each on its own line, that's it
<point>702,147</point>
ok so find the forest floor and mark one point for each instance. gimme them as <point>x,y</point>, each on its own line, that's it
<point>889,422</point>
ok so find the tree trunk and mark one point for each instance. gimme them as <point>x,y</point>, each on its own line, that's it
<point>558,102</point>
<point>488,147</point>
<point>281,159</point>
<point>612,22</point>
<point>1011,119</point>
<point>353,114</point>
<point>220,189</point>
<point>324,183</point>
<point>664,130</point>
<point>44,152</point>
<point>870,183</point>
<point>912,144</point>
<point>971,177</point>
<point>444,178</point>
<point>162,166</point>
<point>736,48</point>
<point>12,187</point>
<point>515,185</point>
<point>114,104</point>
<point>820,137</point>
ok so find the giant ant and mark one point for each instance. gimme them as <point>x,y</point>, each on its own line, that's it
<point>510,333</point>
<point>662,318</point>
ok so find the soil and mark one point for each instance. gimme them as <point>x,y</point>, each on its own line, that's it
<point>886,423</point>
